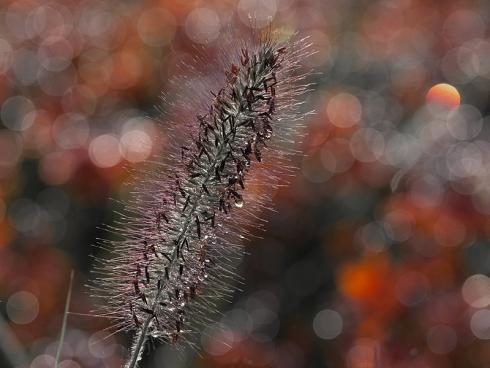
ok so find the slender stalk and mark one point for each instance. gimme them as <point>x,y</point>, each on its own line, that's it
<point>65,320</point>
<point>139,345</point>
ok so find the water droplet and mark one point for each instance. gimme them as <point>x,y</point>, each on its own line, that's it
<point>239,203</point>
<point>268,133</point>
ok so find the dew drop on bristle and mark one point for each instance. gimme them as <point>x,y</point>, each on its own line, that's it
<point>239,203</point>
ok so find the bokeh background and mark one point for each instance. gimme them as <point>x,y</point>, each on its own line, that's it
<point>379,253</point>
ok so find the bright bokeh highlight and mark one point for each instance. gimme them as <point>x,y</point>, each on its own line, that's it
<point>444,94</point>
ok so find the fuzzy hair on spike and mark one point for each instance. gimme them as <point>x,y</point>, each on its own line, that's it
<point>232,131</point>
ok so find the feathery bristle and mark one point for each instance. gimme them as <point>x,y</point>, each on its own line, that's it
<point>188,215</point>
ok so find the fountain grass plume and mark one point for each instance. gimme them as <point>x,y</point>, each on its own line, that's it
<point>233,130</point>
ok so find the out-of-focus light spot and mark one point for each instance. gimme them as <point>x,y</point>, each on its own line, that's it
<point>480,324</point>
<point>79,340</point>
<point>18,113</point>
<point>463,25</point>
<point>96,70</point>
<point>408,74</point>
<point>402,150</point>
<point>202,25</point>
<point>481,201</point>
<point>156,27</point>
<point>26,66</point>
<point>401,225</point>
<point>328,160</point>
<point>441,339</point>
<point>449,231</point>
<point>25,215</point>
<point>69,364</point>
<point>10,148</point>
<point>444,94</point>
<point>104,151</point>
<point>55,54</point>
<point>226,15</point>
<point>367,280</point>
<point>140,123</point>
<point>57,167</point>
<point>100,345</point>
<point>6,56</point>
<point>465,122</point>
<point>95,19</point>
<point>479,59</point>
<point>239,321</point>
<point>66,349</point>
<point>15,18</point>
<point>412,288</point>
<point>312,169</point>
<point>476,291</point>
<point>372,237</point>
<point>49,21</point>
<point>56,83</point>
<point>375,107</point>
<point>465,160</point>
<point>95,55</point>
<point>308,17</point>
<point>451,68</point>
<point>262,302</point>
<point>22,307</point>
<point>344,110</point>
<point>262,307</point>
<point>115,34</point>
<point>364,353</point>
<point>136,145</point>
<point>427,191</point>
<point>70,131</point>
<point>367,145</point>
<point>43,361</point>
<point>430,125</point>
<point>328,324</point>
<point>473,58</point>
<point>127,70</point>
<point>217,339</point>
<point>79,98</point>
<point>336,156</point>
<point>257,13</point>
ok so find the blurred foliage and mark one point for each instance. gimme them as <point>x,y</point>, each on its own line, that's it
<point>378,254</point>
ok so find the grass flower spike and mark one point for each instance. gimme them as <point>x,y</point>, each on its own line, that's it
<point>188,216</point>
